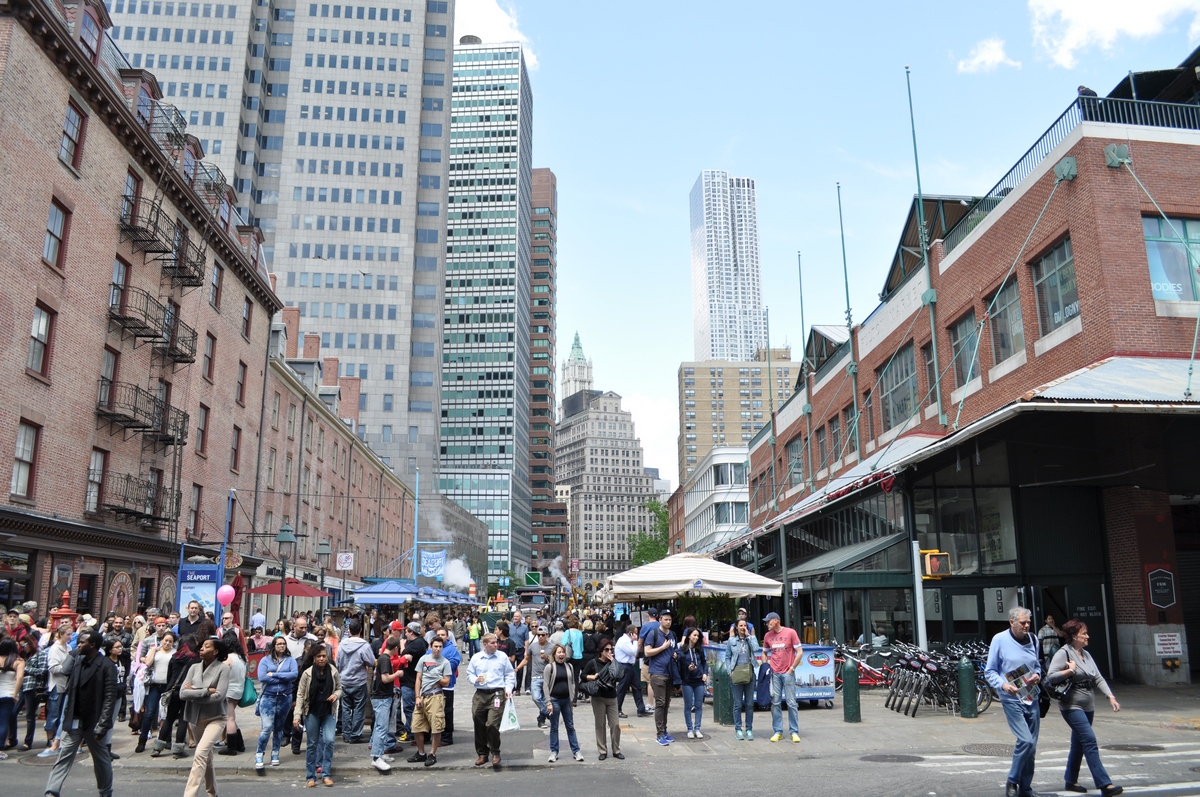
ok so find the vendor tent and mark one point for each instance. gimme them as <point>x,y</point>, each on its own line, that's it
<point>385,593</point>
<point>685,574</point>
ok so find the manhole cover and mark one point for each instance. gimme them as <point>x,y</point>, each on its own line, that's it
<point>1194,769</point>
<point>1134,748</point>
<point>892,758</point>
<point>997,750</point>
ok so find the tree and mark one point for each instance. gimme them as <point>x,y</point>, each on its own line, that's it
<point>494,587</point>
<point>650,546</point>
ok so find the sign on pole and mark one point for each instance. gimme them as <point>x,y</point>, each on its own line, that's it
<point>345,560</point>
<point>433,563</point>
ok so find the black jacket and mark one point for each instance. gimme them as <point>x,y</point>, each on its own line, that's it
<point>96,715</point>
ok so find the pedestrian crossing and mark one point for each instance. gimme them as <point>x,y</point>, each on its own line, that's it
<point>1136,771</point>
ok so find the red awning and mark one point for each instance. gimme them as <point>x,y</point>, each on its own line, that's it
<point>293,588</point>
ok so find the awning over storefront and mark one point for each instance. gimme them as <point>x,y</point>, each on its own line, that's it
<point>864,564</point>
<point>843,557</point>
<point>1123,379</point>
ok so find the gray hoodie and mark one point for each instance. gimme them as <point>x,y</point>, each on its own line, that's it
<point>355,661</point>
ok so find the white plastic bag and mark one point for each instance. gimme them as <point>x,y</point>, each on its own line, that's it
<point>509,721</point>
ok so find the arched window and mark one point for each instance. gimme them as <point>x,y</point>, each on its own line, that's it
<point>89,35</point>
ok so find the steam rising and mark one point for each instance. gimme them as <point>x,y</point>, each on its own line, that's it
<point>457,574</point>
<point>555,568</point>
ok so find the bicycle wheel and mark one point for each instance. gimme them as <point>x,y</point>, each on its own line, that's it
<point>983,699</point>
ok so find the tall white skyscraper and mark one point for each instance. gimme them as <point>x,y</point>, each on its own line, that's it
<point>727,307</point>
<point>485,367</point>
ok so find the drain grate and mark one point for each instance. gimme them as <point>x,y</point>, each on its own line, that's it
<point>892,758</point>
<point>1134,748</point>
<point>996,750</point>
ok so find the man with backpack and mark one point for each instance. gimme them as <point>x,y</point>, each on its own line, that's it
<point>355,662</point>
<point>660,648</point>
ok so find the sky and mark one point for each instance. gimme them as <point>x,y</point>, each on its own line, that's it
<point>632,101</point>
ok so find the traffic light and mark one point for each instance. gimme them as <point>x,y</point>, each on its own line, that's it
<point>935,564</point>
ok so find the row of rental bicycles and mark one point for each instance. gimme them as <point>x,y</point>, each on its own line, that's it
<point>917,679</point>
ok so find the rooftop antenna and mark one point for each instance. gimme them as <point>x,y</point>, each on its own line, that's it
<point>804,371</point>
<point>852,367</point>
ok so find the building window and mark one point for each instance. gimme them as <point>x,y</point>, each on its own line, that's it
<point>795,454</point>
<point>21,484</point>
<point>275,412</point>
<point>95,482</point>
<point>964,340</point>
<point>835,439</point>
<point>210,351</point>
<point>898,388</point>
<point>89,36</point>
<point>70,148</point>
<point>1172,262</point>
<point>129,199</point>
<point>271,469</point>
<point>202,429</point>
<point>291,422</point>
<point>1008,330</point>
<point>120,278</point>
<point>214,286</point>
<point>54,247</point>
<point>235,448</point>
<point>194,509</point>
<point>38,360</point>
<point>240,393</point>
<point>931,376</point>
<point>1055,289</point>
<point>822,449</point>
<point>850,423</point>
<point>247,316</point>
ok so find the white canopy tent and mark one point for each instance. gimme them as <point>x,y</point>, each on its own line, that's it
<point>685,574</point>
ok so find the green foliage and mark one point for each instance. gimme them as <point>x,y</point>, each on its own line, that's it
<point>651,546</point>
<point>714,612</point>
<point>494,586</point>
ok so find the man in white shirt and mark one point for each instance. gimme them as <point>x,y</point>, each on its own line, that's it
<point>626,652</point>
<point>491,673</point>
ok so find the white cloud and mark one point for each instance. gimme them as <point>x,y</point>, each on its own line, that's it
<point>1065,28</point>
<point>492,21</point>
<point>986,56</point>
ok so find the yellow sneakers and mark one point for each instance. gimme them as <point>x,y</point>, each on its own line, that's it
<point>796,738</point>
<point>777,737</point>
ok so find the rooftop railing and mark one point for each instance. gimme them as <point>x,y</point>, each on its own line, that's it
<point>1082,109</point>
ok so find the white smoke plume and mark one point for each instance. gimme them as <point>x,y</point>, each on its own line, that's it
<point>555,568</point>
<point>457,575</point>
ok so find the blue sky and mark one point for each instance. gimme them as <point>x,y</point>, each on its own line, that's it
<point>632,101</point>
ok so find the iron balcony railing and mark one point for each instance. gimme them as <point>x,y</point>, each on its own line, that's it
<point>137,312</point>
<point>184,264</point>
<point>1082,109</point>
<point>136,499</point>
<point>144,225</point>
<point>177,342</point>
<point>137,409</point>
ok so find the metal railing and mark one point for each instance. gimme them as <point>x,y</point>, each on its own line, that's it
<point>184,264</point>
<point>143,224</point>
<point>1082,109</point>
<point>137,499</point>
<point>137,312</point>
<point>178,342</point>
<point>138,409</point>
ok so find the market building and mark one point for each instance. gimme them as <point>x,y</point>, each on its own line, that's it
<point>1022,404</point>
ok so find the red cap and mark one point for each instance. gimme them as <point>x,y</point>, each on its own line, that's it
<point>397,625</point>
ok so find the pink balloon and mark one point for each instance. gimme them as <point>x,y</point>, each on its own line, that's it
<point>225,595</point>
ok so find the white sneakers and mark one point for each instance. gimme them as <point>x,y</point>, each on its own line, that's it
<point>578,756</point>
<point>553,757</point>
<point>380,764</point>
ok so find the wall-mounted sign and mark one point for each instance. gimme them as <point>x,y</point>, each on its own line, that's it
<point>1162,588</point>
<point>1168,645</point>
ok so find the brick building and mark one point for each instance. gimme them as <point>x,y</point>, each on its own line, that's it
<point>1040,435</point>
<point>135,321</point>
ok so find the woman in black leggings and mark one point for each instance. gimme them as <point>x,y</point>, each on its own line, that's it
<point>181,662</point>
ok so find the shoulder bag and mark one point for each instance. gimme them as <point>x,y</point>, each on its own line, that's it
<point>249,693</point>
<point>743,673</point>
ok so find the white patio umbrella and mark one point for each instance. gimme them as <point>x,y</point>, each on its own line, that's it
<point>685,574</point>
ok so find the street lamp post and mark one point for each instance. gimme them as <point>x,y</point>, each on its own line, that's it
<point>286,540</point>
<point>323,554</point>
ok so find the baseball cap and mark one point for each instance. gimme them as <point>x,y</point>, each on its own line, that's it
<point>397,625</point>
<point>416,628</point>
<point>160,621</point>
<point>653,612</point>
<point>542,629</point>
<point>26,619</point>
<point>770,616</point>
<point>742,610</point>
<point>665,613</point>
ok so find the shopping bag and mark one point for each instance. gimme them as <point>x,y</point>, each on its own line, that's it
<point>509,721</point>
<point>249,694</point>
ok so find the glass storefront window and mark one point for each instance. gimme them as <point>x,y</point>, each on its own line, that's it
<point>891,614</point>
<point>959,538</point>
<point>997,530</point>
<point>852,609</point>
<point>14,580</point>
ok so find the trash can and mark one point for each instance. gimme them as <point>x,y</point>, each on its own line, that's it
<point>722,690</point>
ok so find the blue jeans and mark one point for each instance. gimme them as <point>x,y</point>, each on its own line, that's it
<point>1083,745</point>
<point>382,706</point>
<point>273,709</point>
<point>8,711</point>
<point>354,709</point>
<point>54,706</point>
<point>562,709</point>
<point>408,699</point>
<point>321,732</point>
<point>693,705</point>
<point>783,688</point>
<point>1023,721</point>
<point>539,699</point>
<point>743,700</point>
<point>150,709</point>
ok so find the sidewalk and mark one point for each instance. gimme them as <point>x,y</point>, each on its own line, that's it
<point>1148,716</point>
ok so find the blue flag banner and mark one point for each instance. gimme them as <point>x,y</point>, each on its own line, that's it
<point>433,563</point>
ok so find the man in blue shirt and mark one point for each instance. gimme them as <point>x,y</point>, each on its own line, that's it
<point>1014,669</point>
<point>450,651</point>
<point>660,650</point>
<point>491,673</point>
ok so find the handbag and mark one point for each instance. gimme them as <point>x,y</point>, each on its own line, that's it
<point>249,694</point>
<point>742,673</point>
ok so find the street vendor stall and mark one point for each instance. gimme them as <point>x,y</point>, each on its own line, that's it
<point>685,574</point>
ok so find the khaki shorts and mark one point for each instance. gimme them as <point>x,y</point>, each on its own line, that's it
<point>430,716</point>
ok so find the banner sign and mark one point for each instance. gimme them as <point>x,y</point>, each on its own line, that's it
<point>815,675</point>
<point>199,583</point>
<point>433,563</point>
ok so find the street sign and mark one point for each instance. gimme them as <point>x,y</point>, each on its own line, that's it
<point>504,581</point>
<point>533,578</point>
<point>345,560</point>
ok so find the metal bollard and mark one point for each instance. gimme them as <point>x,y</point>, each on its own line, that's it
<point>966,689</point>
<point>852,710</point>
